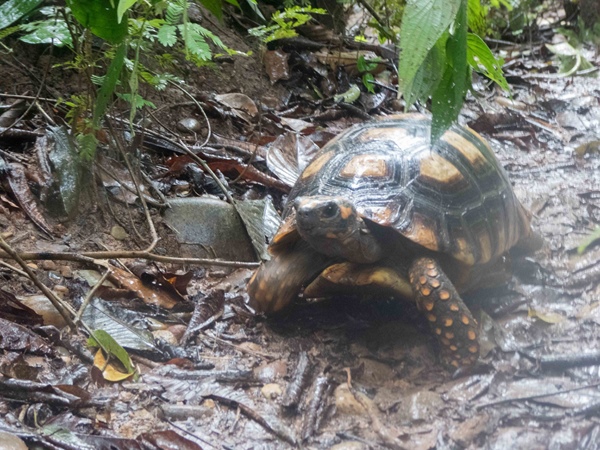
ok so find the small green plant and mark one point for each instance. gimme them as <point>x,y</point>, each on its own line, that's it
<point>285,23</point>
<point>366,67</point>
<point>132,28</point>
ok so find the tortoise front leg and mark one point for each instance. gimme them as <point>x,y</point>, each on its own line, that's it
<point>448,316</point>
<point>278,281</point>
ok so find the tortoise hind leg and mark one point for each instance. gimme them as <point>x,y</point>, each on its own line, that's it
<point>448,316</point>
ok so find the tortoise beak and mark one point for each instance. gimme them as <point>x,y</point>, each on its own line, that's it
<point>305,217</point>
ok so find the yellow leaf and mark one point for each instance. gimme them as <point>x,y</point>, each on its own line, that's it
<point>546,316</point>
<point>110,372</point>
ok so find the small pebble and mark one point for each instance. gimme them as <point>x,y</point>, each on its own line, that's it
<point>271,391</point>
<point>66,271</point>
<point>166,336</point>
<point>189,125</point>
<point>11,442</point>
<point>49,265</point>
<point>119,233</point>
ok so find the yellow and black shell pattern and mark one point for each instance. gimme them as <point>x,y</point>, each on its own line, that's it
<point>453,197</point>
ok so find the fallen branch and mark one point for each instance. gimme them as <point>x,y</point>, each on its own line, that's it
<point>90,257</point>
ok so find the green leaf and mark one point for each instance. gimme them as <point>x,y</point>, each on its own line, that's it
<point>167,35</point>
<point>100,17</point>
<point>8,31</point>
<point>423,23</point>
<point>87,144</point>
<point>51,31</point>
<point>214,6</point>
<point>447,99</point>
<point>429,74</point>
<point>589,240</point>
<point>13,10</point>
<point>108,85</point>
<point>481,59</point>
<point>350,96</point>
<point>122,8</point>
<point>194,41</point>
<point>101,338</point>
<point>254,7</point>
<point>368,81</point>
<point>137,101</point>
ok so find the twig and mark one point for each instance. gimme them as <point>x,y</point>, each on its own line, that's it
<point>195,157</point>
<point>64,309</point>
<point>29,97</point>
<point>533,397</point>
<point>13,268</point>
<point>373,13</point>
<point>142,198</point>
<point>199,106</point>
<point>237,347</point>
<point>90,257</point>
<point>90,294</point>
<point>150,200</point>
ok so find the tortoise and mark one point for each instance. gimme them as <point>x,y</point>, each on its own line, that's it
<point>379,209</point>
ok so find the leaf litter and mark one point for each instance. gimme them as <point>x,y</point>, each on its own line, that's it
<point>346,371</point>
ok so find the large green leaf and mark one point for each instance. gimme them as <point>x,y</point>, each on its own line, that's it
<point>447,99</point>
<point>214,6</point>
<point>13,10</point>
<point>429,74</point>
<point>481,59</point>
<point>122,8</point>
<point>423,23</point>
<point>109,83</point>
<point>101,17</point>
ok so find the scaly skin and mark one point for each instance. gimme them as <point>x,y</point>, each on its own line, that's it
<point>279,281</point>
<point>449,318</point>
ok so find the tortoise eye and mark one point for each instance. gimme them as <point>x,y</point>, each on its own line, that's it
<point>330,210</point>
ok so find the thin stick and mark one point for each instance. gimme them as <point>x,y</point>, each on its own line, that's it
<point>64,309</point>
<point>90,257</point>
<point>90,294</point>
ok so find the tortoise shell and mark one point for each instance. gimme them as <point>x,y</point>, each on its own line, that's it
<point>452,197</point>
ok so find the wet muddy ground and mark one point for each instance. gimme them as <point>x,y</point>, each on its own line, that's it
<point>341,374</point>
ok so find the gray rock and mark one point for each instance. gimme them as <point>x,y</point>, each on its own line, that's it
<point>209,228</point>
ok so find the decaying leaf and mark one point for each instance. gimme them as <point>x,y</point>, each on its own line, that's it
<point>14,180</point>
<point>208,309</point>
<point>66,168</point>
<point>289,155</point>
<point>148,293</point>
<point>14,310</point>
<point>276,65</point>
<point>588,148</point>
<point>349,60</point>
<point>546,316</point>
<point>261,221</point>
<point>240,104</point>
<point>17,338</point>
<point>124,325</point>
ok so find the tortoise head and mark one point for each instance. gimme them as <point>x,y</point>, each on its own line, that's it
<point>332,226</point>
